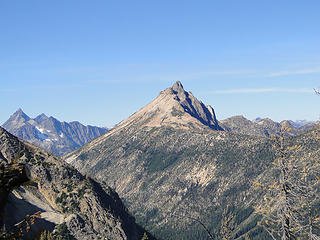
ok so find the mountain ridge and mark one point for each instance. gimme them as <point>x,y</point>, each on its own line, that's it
<point>263,127</point>
<point>51,134</point>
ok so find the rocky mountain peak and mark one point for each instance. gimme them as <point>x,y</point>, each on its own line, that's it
<point>194,107</point>
<point>20,114</point>
<point>51,134</point>
<point>176,108</point>
<point>177,87</point>
<point>19,118</point>
<point>40,118</point>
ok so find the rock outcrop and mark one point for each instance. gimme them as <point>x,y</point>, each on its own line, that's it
<point>88,209</point>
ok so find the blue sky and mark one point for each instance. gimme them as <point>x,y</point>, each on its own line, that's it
<point>100,61</point>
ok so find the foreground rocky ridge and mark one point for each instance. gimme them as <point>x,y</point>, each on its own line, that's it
<point>51,134</point>
<point>89,210</point>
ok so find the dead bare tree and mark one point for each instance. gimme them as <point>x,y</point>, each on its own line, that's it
<point>279,211</point>
<point>288,201</point>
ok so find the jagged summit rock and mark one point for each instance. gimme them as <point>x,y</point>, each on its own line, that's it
<point>19,113</point>
<point>51,134</point>
<point>191,105</point>
<point>17,119</point>
<point>177,87</point>
<point>176,108</point>
<point>40,118</point>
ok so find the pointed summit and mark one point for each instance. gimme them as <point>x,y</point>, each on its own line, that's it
<point>40,118</point>
<point>177,87</point>
<point>176,108</point>
<point>42,115</point>
<point>19,118</point>
<point>20,114</point>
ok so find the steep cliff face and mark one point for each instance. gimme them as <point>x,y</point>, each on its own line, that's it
<point>90,210</point>
<point>51,134</point>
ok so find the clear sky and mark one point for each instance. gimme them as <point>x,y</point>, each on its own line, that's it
<point>100,61</point>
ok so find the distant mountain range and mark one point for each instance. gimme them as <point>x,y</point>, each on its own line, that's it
<point>172,160</point>
<point>265,127</point>
<point>296,123</point>
<point>51,134</point>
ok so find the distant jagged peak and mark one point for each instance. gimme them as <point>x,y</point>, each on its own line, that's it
<point>40,118</point>
<point>20,114</point>
<point>49,133</point>
<point>19,118</point>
